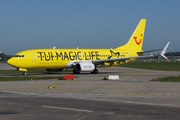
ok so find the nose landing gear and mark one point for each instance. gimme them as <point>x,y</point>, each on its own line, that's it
<point>25,73</point>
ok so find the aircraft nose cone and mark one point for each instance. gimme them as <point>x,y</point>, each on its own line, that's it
<point>11,62</point>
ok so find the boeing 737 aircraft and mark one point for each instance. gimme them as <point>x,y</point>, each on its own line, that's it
<point>83,60</point>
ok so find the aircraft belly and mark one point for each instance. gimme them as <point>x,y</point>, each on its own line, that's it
<point>51,64</point>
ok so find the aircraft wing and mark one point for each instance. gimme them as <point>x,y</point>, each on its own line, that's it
<point>99,62</point>
<point>146,51</point>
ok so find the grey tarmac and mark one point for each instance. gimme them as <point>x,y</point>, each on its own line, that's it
<point>88,97</point>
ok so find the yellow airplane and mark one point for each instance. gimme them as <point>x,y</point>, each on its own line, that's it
<point>82,60</point>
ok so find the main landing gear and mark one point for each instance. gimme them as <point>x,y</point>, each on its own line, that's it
<point>95,71</point>
<point>75,72</point>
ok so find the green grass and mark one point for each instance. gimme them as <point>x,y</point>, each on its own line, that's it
<point>26,78</point>
<point>29,71</point>
<point>16,71</point>
<point>165,66</point>
<point>167,79</point>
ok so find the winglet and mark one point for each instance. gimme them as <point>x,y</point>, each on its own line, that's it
<point>164,51</point>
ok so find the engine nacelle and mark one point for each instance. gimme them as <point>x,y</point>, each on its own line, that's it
<point>86,66</point>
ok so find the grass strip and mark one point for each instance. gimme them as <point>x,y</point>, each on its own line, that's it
<point>167,79</point>
<point>29,71</point>
<point>164,66</point>
<point>28,78</point>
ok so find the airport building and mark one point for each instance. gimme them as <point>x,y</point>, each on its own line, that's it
<point>4,57</point>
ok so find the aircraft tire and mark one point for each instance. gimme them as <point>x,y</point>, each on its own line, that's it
<point>95,71</point>
<point>24,73</point>
<point>75,72</point>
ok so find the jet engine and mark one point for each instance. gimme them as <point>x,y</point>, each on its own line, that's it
<point>86,66</point>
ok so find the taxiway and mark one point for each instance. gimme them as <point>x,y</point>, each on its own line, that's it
<point>134,96</point>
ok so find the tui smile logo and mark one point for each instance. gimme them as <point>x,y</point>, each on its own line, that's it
<point>135,38</point>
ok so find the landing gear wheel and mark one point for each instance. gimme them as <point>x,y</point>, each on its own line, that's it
<point>75,72</point>
<point>25,73</point>
<point>95,71</point>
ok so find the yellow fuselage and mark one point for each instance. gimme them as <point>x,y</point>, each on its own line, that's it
<point>81,59</point>
<point>60,58</point>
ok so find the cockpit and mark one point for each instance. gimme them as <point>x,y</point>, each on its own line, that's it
<point>19,56</point>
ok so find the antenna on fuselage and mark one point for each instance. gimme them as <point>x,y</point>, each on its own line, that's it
<point>54,47</point>
<point>77,47</point>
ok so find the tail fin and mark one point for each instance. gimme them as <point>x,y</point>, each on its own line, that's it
<point>136,40</point>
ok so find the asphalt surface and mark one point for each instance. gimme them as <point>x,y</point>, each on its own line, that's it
<point>89,97</point>
<point>36,108</point>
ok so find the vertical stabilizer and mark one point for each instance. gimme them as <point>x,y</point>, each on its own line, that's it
<point>136,40</point>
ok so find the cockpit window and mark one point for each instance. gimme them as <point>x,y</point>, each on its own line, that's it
<point>20,56</point>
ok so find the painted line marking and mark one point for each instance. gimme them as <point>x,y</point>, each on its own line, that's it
<point>120,101</point>
<point>73,109</point>
<point>15,92</point>
<point>53,86</point>
<point>132,102</point>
